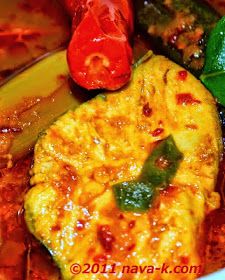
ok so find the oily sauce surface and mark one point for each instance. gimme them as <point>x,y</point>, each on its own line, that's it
<point>21,256</point>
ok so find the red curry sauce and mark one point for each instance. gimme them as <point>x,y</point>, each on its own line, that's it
<point>21,256</point>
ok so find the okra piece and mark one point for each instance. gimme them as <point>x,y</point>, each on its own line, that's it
<point>30,102</point>
<point>179,28</point>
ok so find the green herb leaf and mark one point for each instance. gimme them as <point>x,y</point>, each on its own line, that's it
<point>134,196</point>
<point>213,76</point>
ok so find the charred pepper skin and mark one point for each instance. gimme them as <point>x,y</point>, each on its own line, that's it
<point>179,28</point>
<point>100,53</point>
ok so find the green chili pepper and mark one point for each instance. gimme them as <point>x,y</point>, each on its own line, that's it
<point>162,164</point>
<point>134,195</point>
<point>158,171</point>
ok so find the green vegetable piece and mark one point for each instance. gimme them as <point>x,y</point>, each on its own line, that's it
<point>162,164</point>
<point>213,76</point>
<point>158,171</point>
<point>134,196</point>
<point>144,58</point>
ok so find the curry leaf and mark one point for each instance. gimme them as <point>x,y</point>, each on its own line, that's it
<point>213,76</point>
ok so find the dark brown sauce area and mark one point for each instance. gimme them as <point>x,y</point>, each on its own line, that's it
<point>21,256</point>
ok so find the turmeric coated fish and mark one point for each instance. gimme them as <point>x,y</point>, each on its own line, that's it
<point>71,207</point>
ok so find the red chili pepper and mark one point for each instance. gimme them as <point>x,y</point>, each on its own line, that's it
<point>186,99</point>
<point>99,54</point>
<point>105,237</point>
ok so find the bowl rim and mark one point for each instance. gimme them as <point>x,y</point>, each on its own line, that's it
<point>218,275</point>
